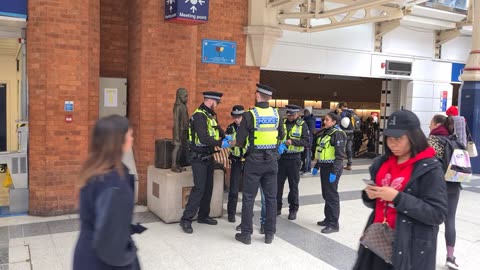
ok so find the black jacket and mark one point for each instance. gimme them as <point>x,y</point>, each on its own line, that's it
<point>421,207</point>
<point>198,124</point>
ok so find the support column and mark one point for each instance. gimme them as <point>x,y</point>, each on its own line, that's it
<point>470,90</point>
<point>63,58</point>
<point>262,32</point>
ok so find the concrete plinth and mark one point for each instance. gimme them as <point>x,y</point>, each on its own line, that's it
<point>167,193</point>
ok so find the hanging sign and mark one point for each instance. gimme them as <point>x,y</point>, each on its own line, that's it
<point>13,8</point>
<point>186,11</point>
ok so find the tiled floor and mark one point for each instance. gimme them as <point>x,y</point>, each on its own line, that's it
<point>47,243</point>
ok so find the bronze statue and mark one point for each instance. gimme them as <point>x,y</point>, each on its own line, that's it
<point>180,128</point>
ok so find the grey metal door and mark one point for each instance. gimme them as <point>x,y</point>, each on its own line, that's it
<point>113,96</point>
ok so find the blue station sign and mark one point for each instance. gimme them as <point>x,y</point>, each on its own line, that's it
<point>219,52</point>
<point>13,8</point>
<point>186,11</point>
<point>457,70</point>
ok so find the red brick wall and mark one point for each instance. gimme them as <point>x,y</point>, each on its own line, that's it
<point>67,54</point>
<point>114,38</point>
<point>165,56</point>
<point>63,60</point>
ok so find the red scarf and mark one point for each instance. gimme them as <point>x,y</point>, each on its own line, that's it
<point>440,131</point>
<point>396,176</point>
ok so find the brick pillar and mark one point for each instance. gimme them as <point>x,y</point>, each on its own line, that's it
<point>165,56</point>
<point>63,64</point>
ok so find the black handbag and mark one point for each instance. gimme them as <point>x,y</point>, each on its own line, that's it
<point>378,238</point>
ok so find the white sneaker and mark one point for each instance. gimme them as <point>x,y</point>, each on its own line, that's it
<point>451,264</point>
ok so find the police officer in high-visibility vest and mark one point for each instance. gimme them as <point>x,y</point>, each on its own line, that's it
<point>329,155</point>
<point>236,157</point>
<point>204,134</point>
<point>262,129</point>
<point>296,139</point>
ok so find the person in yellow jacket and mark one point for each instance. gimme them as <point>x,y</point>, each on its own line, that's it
<point>329,154</point>
<point>260,131</point>
<point>204,134</point>
<point>236,156</point>
<point>297,137</point>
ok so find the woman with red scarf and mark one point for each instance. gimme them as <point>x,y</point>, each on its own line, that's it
<point>409,195</point>
<point>443,140</point>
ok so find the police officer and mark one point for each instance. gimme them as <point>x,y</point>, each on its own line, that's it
<point>297,137</point>
<point>329,154</point>
<point>204,134</point>
<point>236,156</point>
<point>261,129</point>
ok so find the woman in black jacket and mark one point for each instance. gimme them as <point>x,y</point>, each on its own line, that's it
<point>107,201</point>
<point>443,140</point>
<point>410,189</point>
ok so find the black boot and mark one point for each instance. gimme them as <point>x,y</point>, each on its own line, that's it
<point>186,226</point>
<point>231,219</point>
<point>292,215</point>
<point>269,238</point>
<point>262,229</point>
<point>207,220</point>
<point>244,238</point>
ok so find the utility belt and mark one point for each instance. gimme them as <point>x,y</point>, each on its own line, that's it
<point>204,156</point>
<point>262,154</point>
<point>290,156</point>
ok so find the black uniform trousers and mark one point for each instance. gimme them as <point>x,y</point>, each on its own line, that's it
<point>260,169</point>
<point>289,167</point>
<point>330,195</point>
<point>235,177</point>
<point>201,193</point>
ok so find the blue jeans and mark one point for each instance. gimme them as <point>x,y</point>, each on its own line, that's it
<point>263,212</point>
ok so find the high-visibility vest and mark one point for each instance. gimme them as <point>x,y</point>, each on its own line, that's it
<point>236,151</point>
<point>212,128</point>
<point>265,124</point>
<point>295,134</point>
<point>325,152</point>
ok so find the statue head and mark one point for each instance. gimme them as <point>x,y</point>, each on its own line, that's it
<point>182,96</point>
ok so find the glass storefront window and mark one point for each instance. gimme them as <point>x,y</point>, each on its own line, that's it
<point>457,4</point>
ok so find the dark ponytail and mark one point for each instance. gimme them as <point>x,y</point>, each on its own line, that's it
<point>444,121</point>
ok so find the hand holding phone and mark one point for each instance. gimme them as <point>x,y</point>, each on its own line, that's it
<point>369,182</point>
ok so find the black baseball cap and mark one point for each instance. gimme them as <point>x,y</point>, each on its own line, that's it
<point>400,122</point>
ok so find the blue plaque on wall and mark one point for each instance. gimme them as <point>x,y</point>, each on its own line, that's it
<point>186,11</point>
<point>219,52</point>
<point>13,8</point>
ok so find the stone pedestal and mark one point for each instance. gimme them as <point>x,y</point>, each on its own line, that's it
<point>167,193</point>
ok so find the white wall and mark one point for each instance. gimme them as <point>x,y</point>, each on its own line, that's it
<point>458,49</point>
<point>424,99</point>
<point>349,51</point>
<point>404,41</point>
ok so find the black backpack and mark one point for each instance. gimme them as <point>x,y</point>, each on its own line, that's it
<point>355,121</point>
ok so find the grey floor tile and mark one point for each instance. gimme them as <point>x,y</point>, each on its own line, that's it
<point>319,246</point>
<point>317,198</point>
<point>15,231</point>
<point>145,217</point>
<point>66,225</point>
<point>4,255</point>
<point>472,189</point>
<point>4,235</point>
<point>35,229</point>
<point>3,266</point>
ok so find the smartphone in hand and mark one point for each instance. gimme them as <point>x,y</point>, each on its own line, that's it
<point>369,182</point>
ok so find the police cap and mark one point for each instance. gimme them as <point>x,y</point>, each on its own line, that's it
<point>213,95</point>
<point>293,109</point>
<point>265,89</point>
<point>237,110</point>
